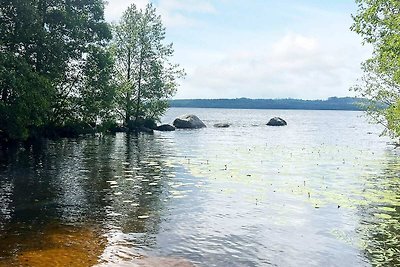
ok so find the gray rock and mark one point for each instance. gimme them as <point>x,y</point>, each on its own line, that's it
<point>188,122</point>
<point>165,128</point>
<point>222,125</point>
<point>277,122</point>
<point>143,129</point>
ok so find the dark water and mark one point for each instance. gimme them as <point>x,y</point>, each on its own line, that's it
<point>323,191</point>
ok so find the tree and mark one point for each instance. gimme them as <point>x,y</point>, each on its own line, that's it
<point>145,76</point>
<point>96,99</point>
<point>45,45</point>
<point>22,102</point>
<point>378,22</point>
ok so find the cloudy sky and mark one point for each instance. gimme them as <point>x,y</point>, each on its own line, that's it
<point>260,48</point>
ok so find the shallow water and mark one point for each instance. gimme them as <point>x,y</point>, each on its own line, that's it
<point>323,191</point>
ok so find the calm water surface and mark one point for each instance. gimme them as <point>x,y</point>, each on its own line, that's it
<point>323,191</point>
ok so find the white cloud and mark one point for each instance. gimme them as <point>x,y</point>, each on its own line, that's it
<point>232,49</point>
<point>293,66</point>
<point>292,45</point>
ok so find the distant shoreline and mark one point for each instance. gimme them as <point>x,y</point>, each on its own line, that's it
<point>332,103</point>
<point>305,109</point>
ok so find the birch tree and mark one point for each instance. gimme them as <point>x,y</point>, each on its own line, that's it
<point>145,76</point>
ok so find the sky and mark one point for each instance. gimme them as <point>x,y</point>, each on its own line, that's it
<point>260,48</point>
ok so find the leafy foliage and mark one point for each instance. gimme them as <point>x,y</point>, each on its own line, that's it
<point>98,92</point>
<point>22,105</point>
<point>45,46</point>
<point>145,76</point>
<point>378,22</point>
<point>58,73</point>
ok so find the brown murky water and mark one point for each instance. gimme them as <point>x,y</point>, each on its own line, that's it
<point>56,245</point>
<point>320,192</point>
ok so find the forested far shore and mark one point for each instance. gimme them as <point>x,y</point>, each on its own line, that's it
<point>332,103</point>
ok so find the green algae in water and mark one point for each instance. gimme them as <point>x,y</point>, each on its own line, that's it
<point>324,176</point>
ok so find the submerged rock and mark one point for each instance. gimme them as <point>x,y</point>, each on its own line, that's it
<point>165,128</point>
<point>277,122</point>
<point>142,129</point>
<point>188,122</point>
<point>222,125</point>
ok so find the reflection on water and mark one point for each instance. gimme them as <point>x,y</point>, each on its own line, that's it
<point>320,192</point>
<point>111,186</point>
<point>380,230</point>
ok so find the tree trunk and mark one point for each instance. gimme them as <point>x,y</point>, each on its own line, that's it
<point>128,93</point>
<point>42,8</point>
<point>139,86</point>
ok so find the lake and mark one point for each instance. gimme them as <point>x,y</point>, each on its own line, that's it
<point>322,191</point>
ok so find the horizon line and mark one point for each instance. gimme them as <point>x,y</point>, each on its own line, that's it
<point>283,98</point>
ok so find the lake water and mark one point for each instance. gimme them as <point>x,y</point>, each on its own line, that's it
<point>323,191</point>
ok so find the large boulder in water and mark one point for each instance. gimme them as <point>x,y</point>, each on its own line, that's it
<point>222,125</point>
<point>188,122</point>
<point>277,122</point>
<point>165,128</point>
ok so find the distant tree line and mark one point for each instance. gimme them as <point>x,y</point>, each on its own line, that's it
<point>332,103</point>
<point>65,71</point>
